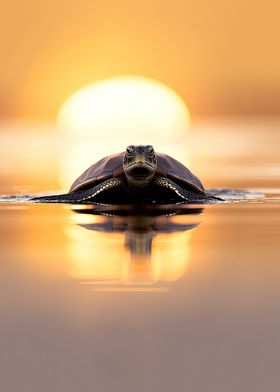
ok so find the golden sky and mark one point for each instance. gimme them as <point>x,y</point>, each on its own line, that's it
<point>221,56</point>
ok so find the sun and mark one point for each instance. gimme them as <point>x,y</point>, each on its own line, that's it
<point>128,106</point>
<point>105,116</point>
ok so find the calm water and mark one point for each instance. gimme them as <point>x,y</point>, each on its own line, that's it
<point>186,302</point>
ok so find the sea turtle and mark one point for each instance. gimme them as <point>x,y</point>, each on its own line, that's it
<point>137,175</point>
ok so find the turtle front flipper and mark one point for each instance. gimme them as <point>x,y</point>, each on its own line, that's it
<point>180,193</point>
<point>172,187</point>
<point>82,196</point>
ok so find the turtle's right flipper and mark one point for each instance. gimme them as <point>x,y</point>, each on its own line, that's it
<point>83,196</point>
<point>63,198</point>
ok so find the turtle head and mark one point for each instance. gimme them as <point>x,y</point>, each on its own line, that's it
<point>139,164</point>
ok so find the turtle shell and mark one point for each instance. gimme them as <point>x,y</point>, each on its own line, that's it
<point>100,171</point>
<point>111,166</point>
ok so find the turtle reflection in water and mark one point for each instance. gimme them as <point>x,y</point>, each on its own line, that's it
<point>138,175</point>
<point>141,226</point>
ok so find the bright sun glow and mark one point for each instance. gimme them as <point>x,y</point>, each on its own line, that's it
<point>106,116</point>
<point>134,107</point>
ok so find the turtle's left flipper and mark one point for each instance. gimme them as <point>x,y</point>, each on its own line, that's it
<point>164,182</point>
<point>183,194</point>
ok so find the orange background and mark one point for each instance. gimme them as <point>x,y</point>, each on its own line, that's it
<point>221,56</point>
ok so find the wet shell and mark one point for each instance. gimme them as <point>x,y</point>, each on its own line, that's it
<point>111,166</point>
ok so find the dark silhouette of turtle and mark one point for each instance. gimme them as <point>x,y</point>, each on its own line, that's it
<point>138,175</point>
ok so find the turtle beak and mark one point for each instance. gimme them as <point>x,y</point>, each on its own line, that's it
<point>140,166</point>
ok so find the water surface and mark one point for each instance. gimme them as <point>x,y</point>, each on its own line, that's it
<point>135,302</point>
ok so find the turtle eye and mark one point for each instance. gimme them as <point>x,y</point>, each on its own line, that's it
<point>130,149</point>
<point>150,149</point>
